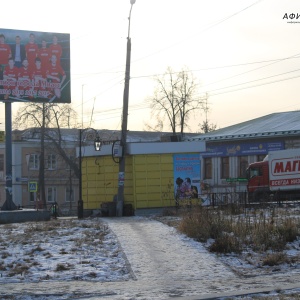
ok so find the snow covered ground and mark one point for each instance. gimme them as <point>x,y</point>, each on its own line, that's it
<point>124,258</point>
<point>65,249</point>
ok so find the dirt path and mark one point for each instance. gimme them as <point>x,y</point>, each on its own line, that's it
<point>170,264</point>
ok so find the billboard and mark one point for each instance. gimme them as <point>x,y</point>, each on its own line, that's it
<point>34,66</point>
<point>187,176</point>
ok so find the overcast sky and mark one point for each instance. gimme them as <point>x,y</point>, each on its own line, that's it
<point>245,54</point>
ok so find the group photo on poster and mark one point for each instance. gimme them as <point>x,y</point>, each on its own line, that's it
<point>34,66</point>
<point>187,172</point>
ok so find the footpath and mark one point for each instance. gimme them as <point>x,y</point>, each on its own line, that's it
<point>164,265</point>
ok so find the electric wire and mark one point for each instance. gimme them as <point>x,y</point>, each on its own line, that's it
<point>181,41</point>
<point>202,31</point>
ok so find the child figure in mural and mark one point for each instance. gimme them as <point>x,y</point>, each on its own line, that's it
<point>185,189</point>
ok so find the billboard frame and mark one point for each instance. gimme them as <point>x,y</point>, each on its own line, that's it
<point>52,84</point>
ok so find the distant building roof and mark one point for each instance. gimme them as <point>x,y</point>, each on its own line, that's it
<point>106,135</point>
<point>276,124</point>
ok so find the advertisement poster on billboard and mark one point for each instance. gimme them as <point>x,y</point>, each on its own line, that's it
<point>187,176</point>
<point>34,66</point>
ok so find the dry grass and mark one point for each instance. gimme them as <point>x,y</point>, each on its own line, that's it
<point>275,259</point>
<point>62,267</point>
<point>234,229</point>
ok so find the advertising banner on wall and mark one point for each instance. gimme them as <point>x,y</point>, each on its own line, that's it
<point>187,175</point>
<point>240,149</point>
<point>34,66</point>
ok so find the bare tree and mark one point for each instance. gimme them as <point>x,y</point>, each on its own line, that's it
<point>206,126</point>
<point>30,115</point>
<point>175,99</point>
<point>46,120</point>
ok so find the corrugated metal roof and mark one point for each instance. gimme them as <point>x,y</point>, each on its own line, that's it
<point>276,124</point>
<point>106,135</point>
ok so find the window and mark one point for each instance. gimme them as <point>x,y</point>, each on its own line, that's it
<point>208,168</point>
<point>225,167</point>
<point>51,194</point>
<point>72,158</point>
<point>260,157</point>
<point>1,162</point>
<point>69,194</point>
<point>243,165</point>
<point>32,197</point>
<point>34,162</point>
<point>51,162</point>
<point>253,172</point>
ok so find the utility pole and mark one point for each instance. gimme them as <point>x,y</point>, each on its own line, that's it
<point>121,176</point>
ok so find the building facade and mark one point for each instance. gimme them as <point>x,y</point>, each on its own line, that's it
<point>61,184</point>
<point>150,179</point>
<point>215,163</point>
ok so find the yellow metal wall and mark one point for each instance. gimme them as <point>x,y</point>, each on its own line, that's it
<point>148,181</point>
<point>153,178</point>
<point>100,181</point>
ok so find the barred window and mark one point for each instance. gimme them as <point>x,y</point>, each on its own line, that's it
<point>208,168</point>
<point>224,167</point>
<point>243,165</point>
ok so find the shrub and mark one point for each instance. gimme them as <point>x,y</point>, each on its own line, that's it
<point>275,259</point>
<point>62,267</point>
<point>202,224</point>
<point>18,269</point>
<point>260,230</point>
<point>289,230</point>
<point>226,243</point>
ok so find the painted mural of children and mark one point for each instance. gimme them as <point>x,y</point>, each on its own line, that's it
<point>178,193</point>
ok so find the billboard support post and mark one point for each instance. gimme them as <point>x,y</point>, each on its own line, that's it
<point>8,204</point>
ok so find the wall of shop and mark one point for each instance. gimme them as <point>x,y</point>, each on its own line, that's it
<point>100,181</point>
<point>149,173</point>
<point>148,181</point>
<point>153,181</point>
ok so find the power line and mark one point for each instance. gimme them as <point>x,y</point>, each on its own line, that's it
<point>272,63</point>
<point>242,64</point>
<point>224,67</point>
<point>144,104</point>
<point>255,80</point>
<point>204,30</point>
<point>280,80</point>
<point>216,23</point>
